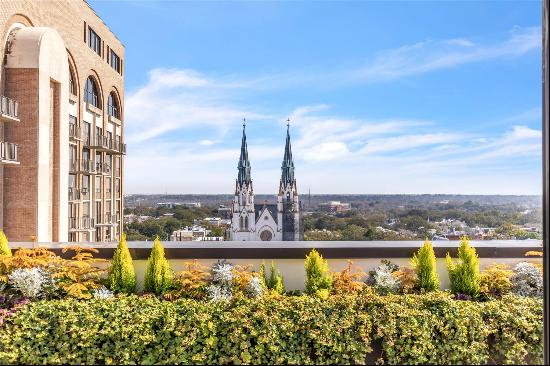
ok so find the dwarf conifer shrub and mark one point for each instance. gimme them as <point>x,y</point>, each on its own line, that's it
<point>318,276</point>
<point>464,275</point>
<point>122,275</point>
<point>4,247</point>
<point>424,264</point>
<point>274,281</point>
<point>158,275</point>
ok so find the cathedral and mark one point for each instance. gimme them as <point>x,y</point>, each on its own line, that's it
<point>264,221</point>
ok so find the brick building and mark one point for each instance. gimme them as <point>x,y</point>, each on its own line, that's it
<point>61,123</point>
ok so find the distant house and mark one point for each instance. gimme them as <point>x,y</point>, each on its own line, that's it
<point>334,206</point>
<point>129,219</point>
<point>193,233</point>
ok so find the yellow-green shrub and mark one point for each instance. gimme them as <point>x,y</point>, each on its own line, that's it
<point>494,281</point>
<point>424,264</point>
<point>318,276</point>
<point>4,247</point>
<point>158,275</point>
<point>122,275</point>
<point>464,275</point>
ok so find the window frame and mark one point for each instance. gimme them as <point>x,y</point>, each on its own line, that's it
<point>94,41</point>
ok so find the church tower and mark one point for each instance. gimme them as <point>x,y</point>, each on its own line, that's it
<point>243,223</point>
<point>288,203</point>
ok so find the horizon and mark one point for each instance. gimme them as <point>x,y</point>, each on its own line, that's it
<point>385,97</point>
<point>336,194</point>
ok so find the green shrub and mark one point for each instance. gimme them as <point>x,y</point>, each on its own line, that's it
<point>132,330</point>
<point>158,275</point>
<point>424,264</point>
<point>4,247</point>
<point>430,328</point>
<point>464,275</point>
<point>122,276</point>
<point>274,281</point>
<point>318,276</point>
<point>436,329</point>
<point>494,281</point>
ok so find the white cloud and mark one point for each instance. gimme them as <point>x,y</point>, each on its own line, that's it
<point>326,151</point>
<point>175,100</point>
<point>461,42</point>
<point>434,55</point>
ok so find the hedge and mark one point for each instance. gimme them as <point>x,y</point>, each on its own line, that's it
<point>406,329</point>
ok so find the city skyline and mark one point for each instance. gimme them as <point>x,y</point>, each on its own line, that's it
<point>382,99</point>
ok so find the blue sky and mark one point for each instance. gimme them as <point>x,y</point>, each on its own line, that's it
<point>383,97</point>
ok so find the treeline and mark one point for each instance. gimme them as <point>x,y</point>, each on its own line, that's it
<point>408,224</point>
<point>162,225</point>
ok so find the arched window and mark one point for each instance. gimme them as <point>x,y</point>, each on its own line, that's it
<point>241,224</point>
<point>91,94</point>
<point>72,80</point>
<point>246,223</point>
<point>113,108</point>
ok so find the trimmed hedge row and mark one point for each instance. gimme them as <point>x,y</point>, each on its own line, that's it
<point>406,329</point>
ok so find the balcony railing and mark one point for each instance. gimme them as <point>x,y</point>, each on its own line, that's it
<point>119,147</point>
<point>107,144</point>
<point>86,166</point>
<point>106,220</point>
<point>81,223</point>
<point>86,138</point>
<point>75,132</point>
<point>8,153</point>
<point>74,194</point>
<point>9,110</point>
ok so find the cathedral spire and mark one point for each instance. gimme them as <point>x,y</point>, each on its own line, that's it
<point>287,176</point>
<point>244,164</point>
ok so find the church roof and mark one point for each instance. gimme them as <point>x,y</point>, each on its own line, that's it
<point>272,208</point>
<point>244,175</point>
<point>287,168</point>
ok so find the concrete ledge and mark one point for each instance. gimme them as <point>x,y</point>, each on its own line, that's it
<point>299,249</point>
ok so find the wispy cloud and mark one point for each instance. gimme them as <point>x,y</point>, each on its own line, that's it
<point>175,99</point>
<point>432,55</point>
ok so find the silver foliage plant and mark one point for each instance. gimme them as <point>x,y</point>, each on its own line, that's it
<point>384,281</point>
<point>255,287</point>
<point>32,282</point>
<point>221,288</point>
<point>219,293</point>
<point>103,293</point>
<point>527,280</point>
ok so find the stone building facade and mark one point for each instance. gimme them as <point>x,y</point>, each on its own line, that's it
<point>61,128</point>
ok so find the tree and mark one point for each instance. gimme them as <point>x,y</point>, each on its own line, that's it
<point>424,264</point>
<point>158,275</point>
<point>354,232</point>
<point>4,247</point>
<point>464,275</point>
<point>122,275</point>
<point>318,276</point>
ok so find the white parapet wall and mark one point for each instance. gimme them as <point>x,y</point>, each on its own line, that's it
<point>289,256</point>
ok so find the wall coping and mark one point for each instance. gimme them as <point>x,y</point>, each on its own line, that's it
<point>298,249</point>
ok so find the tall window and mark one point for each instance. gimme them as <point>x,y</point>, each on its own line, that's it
<point>72,80</point>
<point>94,41</point>
<point>112,106</point>
<point>115,62</point>
<point>91,94</point>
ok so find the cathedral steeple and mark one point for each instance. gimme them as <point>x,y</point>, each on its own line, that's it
<point>287,169</point>
<point>244,164</point>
